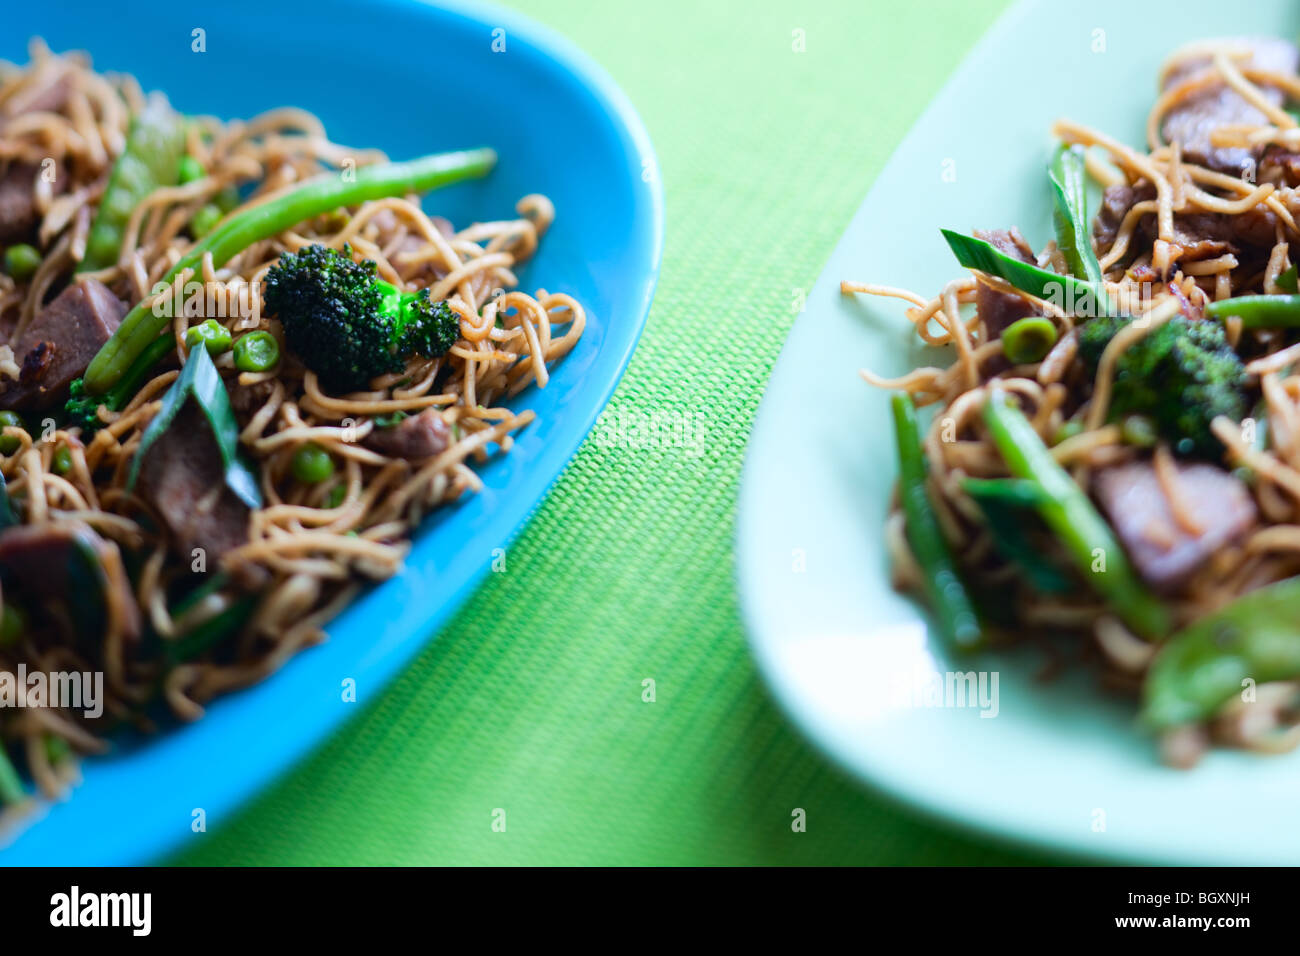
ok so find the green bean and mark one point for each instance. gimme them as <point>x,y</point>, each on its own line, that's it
<point>328,191</point>
<point>22,261</point>
<point>150,159</point>
<point>256,352</point>
<point>1073,519</point>
<point>1259,311</point>
<point>952,605</point>
<point>1028,340</point>
<point>1256,637</point>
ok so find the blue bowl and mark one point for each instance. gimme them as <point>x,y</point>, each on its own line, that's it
<point>482,76</point>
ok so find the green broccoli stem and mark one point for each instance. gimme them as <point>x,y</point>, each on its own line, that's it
<point>952,604</point>
<point>328,191</point>
<point>1073,519</point>
<point>1259,311</point>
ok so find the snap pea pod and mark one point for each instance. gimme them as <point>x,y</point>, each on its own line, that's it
<point>1201,667</point>
<point>1073,519</point>
<point>150,159</point>
<point>1070,193</point>
<point>313,197</point>
<point>952,605</point>
<point>1259,311</point>
<point>1076,296</point>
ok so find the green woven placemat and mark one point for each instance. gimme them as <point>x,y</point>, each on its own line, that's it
<point>770,121</point>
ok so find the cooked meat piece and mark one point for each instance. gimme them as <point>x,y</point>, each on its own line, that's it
<point>247,399</point>
<point>60,342</point>
<point>37,562</point>
<point>182,478</point>
<point>1163,552</point>
<point>1280,166</point>
<point>420,436</point>
<point>999,309</point>
<point>18,214</point>
<point>1192,122</point>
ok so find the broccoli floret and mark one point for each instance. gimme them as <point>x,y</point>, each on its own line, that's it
<point>1183,375</point>
<point>82,408</point>
<point>346,324</point>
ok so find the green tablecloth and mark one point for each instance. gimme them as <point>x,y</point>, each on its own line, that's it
<point>532,700</point>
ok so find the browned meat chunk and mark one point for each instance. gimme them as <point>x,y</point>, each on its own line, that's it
<point>1195,119</point>
<point>38,560</point>
<point>420,436</point>
<point>999,309</point>
<point>1164,552</point>
<point>60,342</point>
<point>18,214</point>
<point>182,477</point>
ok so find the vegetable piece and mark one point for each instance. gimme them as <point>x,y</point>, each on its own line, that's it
<point>10,443</point>
<point>204,220</point>
<point>390,420</point>
<point>208,633</point>
<point>1028,340</point>
<point>1183,374</point>
<point>190,170</point>
<point>22,261</point>
<point>1287,281</point>
<point>8,519</point>
<point>312,464</point>
<point>62,460</point>
<point>1070,193</point>
<point>328,191</point>
<point>83,409</point>
<point>13,622</point>
<point>1075,296</point>
<point>1074,520</point>
<point>214,336</point>
<point>257,352</point>
<point>1010,506</point>
<point>346,324</point>
<point>952,605</point>
<point>11,785</point>
<point>1139,430</point>
<point>1205,664</point>
<point>1259,311</point>
<point>150,159</point>
<point>199,380</point>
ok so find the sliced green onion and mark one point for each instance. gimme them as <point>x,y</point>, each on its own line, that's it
<point>1074,296</point>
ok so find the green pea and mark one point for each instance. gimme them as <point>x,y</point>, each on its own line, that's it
<point>336,495</point>
<point>1068,430</point>
<point>1139,430</point>
<point>22,261</point>
<point>190,170</point>
<point>10,443</point>
<point>256,352</point>
<point>227,199</point>
<point>13,622</point>
<point>62,460</point>
<point>312,464</point>
<point>214,336</point>
<point>1028,340</point>
<point>204,220</point>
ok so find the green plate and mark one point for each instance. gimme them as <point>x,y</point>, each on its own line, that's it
<point>1058,764</point>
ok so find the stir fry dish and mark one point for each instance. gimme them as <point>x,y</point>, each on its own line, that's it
<point>1112,470</point>
<point>239,365</point>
